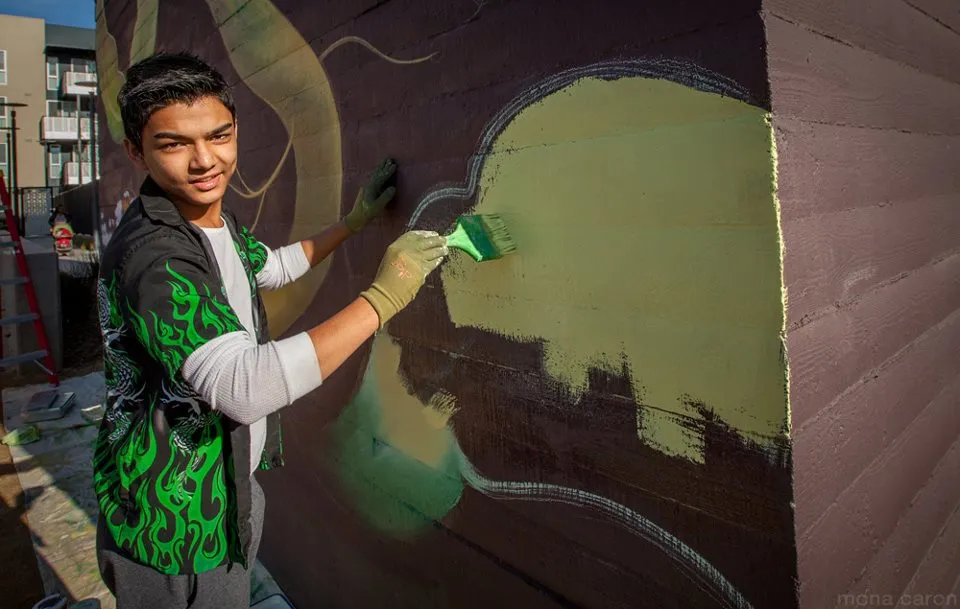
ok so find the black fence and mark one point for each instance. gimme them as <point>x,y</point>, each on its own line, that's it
<point>31,209</point>
<point>34,204</point>
<point>79,203</point>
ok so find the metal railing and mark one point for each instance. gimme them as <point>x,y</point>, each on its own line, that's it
<point>70,80</point>
<point>75,173</point>
<point>63,128</point>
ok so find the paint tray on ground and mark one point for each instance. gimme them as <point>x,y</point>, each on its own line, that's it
<point>47,405</point>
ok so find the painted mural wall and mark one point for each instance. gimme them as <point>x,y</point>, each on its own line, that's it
<point>600,420</point>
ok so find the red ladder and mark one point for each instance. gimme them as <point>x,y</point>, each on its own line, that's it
<point>42,358</point>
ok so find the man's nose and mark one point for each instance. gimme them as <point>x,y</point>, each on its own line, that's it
<point>202,156</point>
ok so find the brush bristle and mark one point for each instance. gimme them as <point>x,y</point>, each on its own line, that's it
<point>489,235</point>
<point>498,233</point>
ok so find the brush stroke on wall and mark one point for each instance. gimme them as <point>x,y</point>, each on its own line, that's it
<point>692,265</point>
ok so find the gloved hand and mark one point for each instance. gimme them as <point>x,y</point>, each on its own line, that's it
<point>403,270</point>
<point>373,197</point>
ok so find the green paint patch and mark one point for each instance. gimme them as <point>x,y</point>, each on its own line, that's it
<point>646,227</point>
<point>398,459</point>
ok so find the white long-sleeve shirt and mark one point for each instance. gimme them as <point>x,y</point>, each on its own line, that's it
<point>244,380</point>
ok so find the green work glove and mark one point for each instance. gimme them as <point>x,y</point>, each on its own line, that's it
<point>373,197</point>
<point>403,270</point>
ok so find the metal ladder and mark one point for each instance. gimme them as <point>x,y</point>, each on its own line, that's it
<point>42,358</point>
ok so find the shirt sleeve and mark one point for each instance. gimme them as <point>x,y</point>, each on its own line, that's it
<point>247,381</point>
<point>284,265</point>
<point>174,305</point>
<point>274,268</point>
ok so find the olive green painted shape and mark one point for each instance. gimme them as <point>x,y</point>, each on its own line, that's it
<point>109,75</point>
<point>647,233</point>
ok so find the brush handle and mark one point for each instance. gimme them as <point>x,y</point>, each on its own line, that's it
<point>461,240</point>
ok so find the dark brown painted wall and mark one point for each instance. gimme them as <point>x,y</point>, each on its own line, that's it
<point>735,509</point>
<point>866,103</point>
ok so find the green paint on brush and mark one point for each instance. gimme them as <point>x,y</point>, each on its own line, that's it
<point>484,237</point>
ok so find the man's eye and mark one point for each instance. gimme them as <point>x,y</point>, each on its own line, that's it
<point>171,145</point>
<point>221,137</point>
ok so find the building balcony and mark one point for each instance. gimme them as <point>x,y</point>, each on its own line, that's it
<point>70,87</point>
<point>73,177</point>
<point>63,129</point>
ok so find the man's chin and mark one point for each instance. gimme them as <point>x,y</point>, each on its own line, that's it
<point>201,198</point>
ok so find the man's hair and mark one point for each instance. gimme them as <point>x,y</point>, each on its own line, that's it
<point>164,79</point>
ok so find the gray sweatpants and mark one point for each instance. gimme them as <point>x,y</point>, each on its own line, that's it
<point>138,586</point>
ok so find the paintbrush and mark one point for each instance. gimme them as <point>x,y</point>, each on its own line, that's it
<point>483,237</point>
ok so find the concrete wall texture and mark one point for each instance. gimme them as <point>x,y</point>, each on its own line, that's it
<point>602,419</point>
<point>23,39</point>
<point>865,98</point>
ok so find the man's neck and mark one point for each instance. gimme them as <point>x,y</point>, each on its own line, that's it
<point>202,216</point>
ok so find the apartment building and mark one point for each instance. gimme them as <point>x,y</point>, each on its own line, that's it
<point>70,88</point>
<point>52,70</point>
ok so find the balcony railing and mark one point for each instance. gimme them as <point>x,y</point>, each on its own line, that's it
<point>71,176</point>
<point>63,129</point>
<point>70,80</point>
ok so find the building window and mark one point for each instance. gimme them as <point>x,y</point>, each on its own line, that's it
<point>4,113</point>
<point>55,163</point>
<point>61,108</point>
<point>3,67</point>
<point>83,66</point>
<point>4,167</point>
<point>53,74</point>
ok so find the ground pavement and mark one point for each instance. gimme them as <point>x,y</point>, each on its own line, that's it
<point>60,507</point>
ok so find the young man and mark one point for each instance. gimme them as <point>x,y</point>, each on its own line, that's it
<point>193,383</point>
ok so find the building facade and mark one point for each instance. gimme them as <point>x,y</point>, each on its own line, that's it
<point>21,82</point>
<point>70,88</point>
<point>52,70</point>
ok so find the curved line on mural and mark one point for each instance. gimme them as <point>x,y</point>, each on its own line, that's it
<point>256,218</point>
<point>372,49</point>
<point>243,183</point>
<point>678,71</point>
<point>253,194</point>
<point>692,564</point>
<point>262,191</point>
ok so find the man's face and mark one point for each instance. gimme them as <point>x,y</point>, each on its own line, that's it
<point>190,151</point>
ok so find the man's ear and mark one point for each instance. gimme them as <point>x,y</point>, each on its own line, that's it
<point>136,156</point>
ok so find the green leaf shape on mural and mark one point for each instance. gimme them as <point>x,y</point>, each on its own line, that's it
<point>398,460</point>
